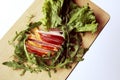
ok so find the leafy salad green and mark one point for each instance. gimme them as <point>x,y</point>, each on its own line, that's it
<point>68,17</point>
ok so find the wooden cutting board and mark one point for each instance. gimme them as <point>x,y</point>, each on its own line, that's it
<point>6,51</point>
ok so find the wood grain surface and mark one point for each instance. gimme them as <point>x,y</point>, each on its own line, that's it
<point>6,51</point>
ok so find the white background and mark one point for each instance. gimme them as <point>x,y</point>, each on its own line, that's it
<point>102,61</point>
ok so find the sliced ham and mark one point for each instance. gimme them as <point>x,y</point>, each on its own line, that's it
<point>45,42</point>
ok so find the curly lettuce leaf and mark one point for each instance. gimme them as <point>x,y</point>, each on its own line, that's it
<point>51,11</point>
<point>82,19</point>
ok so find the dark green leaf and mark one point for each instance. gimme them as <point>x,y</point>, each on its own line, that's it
<point>14,64</point>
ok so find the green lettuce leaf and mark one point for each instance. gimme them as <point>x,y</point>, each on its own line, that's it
<point>82,19</point>
<point>51,11</point>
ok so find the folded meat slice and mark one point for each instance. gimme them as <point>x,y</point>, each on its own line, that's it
<point>51,37</point>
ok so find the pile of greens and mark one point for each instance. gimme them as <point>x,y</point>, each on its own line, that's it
<point>71,20</point>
